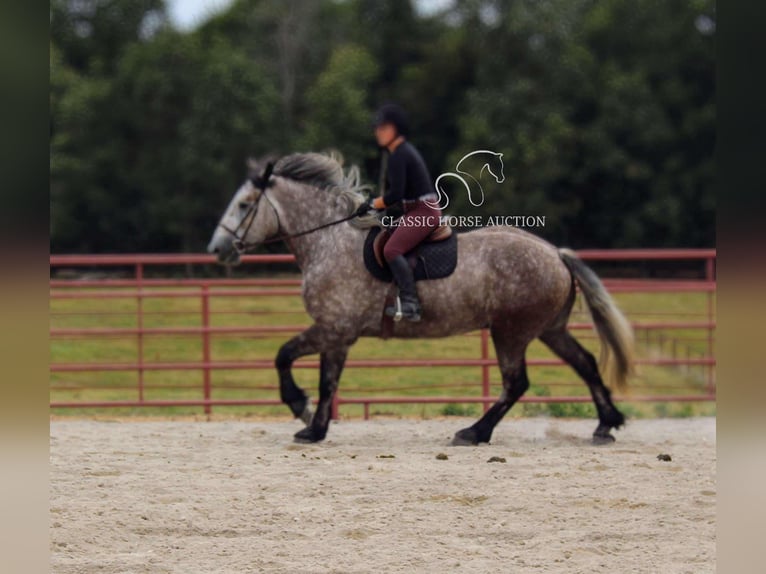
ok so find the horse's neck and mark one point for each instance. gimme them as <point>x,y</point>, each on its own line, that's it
<point>335,243</point>
<point>298,214</point>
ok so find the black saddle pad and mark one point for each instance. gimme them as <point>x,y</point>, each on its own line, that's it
<point>431,260</point>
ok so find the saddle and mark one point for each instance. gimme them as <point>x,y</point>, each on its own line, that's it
<point>434,258</point>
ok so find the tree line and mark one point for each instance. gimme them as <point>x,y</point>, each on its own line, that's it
<point>604,110</point>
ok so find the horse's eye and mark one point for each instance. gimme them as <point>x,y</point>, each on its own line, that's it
<point>243,205</point>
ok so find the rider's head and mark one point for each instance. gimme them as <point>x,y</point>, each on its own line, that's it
<point>390,122</point>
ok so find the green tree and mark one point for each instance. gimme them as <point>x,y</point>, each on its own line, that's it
<point>93,34</point>
<point>199,111</point>
<point>393,34</point>
<point>341,113</point>
<point>605,113</point>
<point>291,41</point>
<point>80,155</point>
<point>515,109</point>
<point>150,156</point>
<point>604,109</point>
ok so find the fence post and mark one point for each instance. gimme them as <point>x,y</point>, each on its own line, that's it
<point>205,294</point>
<point>140,328</point>
<point>485,368</point>
<point>709,275</point>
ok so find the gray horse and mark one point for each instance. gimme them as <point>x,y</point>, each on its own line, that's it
<point>514,283</point>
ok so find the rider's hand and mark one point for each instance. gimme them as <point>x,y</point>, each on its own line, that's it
<point>363,209</point>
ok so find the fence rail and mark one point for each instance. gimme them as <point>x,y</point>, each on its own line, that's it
<point>139,288</point>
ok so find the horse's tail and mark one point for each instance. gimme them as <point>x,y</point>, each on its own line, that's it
<point>614,331</point>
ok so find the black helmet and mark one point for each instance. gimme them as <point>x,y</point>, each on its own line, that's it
<point>394,115</point>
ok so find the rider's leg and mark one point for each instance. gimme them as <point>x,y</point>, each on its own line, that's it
<point>408,295</point>
<point>417,223</point>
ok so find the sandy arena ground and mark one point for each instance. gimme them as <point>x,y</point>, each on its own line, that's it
<point>237,497</point>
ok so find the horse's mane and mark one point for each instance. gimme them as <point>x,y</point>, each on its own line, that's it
<point>324,171</point>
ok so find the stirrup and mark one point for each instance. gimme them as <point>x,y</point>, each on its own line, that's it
<point>398,314</point>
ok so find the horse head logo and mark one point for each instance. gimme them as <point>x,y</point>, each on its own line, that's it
<point>494,165</point>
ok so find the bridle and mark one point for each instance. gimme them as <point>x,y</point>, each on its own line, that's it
<point>261,184</point>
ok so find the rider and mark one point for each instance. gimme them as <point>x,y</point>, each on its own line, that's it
<point>410,183</point>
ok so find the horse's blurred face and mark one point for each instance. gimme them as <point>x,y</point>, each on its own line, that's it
<point>249,217</point>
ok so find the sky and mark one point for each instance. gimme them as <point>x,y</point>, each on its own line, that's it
<point>187,14</point>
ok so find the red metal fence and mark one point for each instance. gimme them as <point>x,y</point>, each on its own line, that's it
<point>140,288</point>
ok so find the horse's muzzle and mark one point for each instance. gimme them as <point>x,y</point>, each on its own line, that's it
<point>227,254</point>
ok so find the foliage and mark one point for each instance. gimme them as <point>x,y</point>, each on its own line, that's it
<point>604,110</point>
<point>572,410</point>
<point>340,117</point>
<point>457,410</point>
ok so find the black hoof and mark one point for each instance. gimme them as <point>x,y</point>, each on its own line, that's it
<point>603,436</point>
<point>308,435</point>
<point>467,437</point>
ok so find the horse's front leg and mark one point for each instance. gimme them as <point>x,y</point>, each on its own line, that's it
<point>307,343</point>
<point>331,366</point>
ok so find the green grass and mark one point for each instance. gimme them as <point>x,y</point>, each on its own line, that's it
<point>458,410</point>
<point>356,382</point>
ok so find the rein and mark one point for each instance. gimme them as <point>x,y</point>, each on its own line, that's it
<point>262,183</point>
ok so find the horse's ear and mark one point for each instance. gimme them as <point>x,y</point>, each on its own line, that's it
<point>259,171</point>
<point>263,180</point>
<point>258,181</point>
<point>253,171</point>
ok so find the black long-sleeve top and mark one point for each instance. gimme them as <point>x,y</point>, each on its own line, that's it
<point>407,175</point>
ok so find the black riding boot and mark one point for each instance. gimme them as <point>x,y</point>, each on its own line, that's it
<point>408,296</point>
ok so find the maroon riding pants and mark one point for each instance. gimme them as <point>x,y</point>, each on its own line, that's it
<point>418,221</point>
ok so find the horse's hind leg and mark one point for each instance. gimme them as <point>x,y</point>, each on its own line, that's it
<point>331,366</point>
<point>510,358</point>
<point>561,342</point>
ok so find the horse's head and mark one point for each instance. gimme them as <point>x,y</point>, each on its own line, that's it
<point>249,219</point>
<point>495,168</point>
